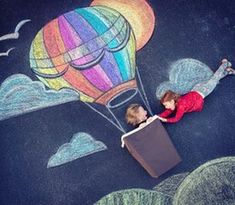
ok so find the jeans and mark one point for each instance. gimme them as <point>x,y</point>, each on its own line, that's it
<point>205,88</point>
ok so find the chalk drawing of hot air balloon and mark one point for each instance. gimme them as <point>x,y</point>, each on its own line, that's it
<point>91,50</point>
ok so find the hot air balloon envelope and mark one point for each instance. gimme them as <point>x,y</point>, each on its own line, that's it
<point>90,50</point>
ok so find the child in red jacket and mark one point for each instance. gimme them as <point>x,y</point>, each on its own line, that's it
<point>191,102</point>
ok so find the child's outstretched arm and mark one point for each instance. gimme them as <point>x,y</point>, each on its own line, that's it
<point>161,118</point>
<point>166,113</point>
<point>179,114</point>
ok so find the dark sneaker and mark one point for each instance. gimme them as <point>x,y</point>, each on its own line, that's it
<point>228,64</point>
<point>230,71</point>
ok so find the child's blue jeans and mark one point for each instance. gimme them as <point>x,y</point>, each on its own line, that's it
<point>205,88</point>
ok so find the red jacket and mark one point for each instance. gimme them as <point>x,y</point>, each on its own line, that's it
<point>190,102</point>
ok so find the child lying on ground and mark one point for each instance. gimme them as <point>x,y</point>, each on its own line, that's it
<point>191,102</point>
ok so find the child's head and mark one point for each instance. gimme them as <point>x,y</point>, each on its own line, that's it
<point>169,99</point>
<point>135,114</point>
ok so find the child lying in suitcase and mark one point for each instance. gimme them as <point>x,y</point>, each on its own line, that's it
<point>136,115</point>
<point>191,102</point>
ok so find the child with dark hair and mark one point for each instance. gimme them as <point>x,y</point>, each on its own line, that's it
<point>192,101</point>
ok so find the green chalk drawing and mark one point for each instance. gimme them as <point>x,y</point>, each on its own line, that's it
<point>134,197</point>
<point>170,185</point>
<point>212,183</point>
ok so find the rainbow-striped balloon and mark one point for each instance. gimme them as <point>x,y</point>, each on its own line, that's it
<point>91,50</point>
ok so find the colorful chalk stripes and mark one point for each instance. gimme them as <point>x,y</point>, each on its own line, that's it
<point>78,38</point>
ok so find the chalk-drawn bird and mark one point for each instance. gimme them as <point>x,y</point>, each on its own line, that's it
<point>14,35</point>
<point>7,53</point>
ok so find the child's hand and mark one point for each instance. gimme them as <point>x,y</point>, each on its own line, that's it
<point>162,119</point>
<point>142,125</point>
<point>150,119</point>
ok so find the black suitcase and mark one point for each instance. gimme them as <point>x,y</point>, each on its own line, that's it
<point>152,148</point>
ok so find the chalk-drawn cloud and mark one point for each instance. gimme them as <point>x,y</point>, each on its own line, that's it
<point>81,144</point>
<point>19,95</point>
<point>16,34</point>
<point>183,75</point>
